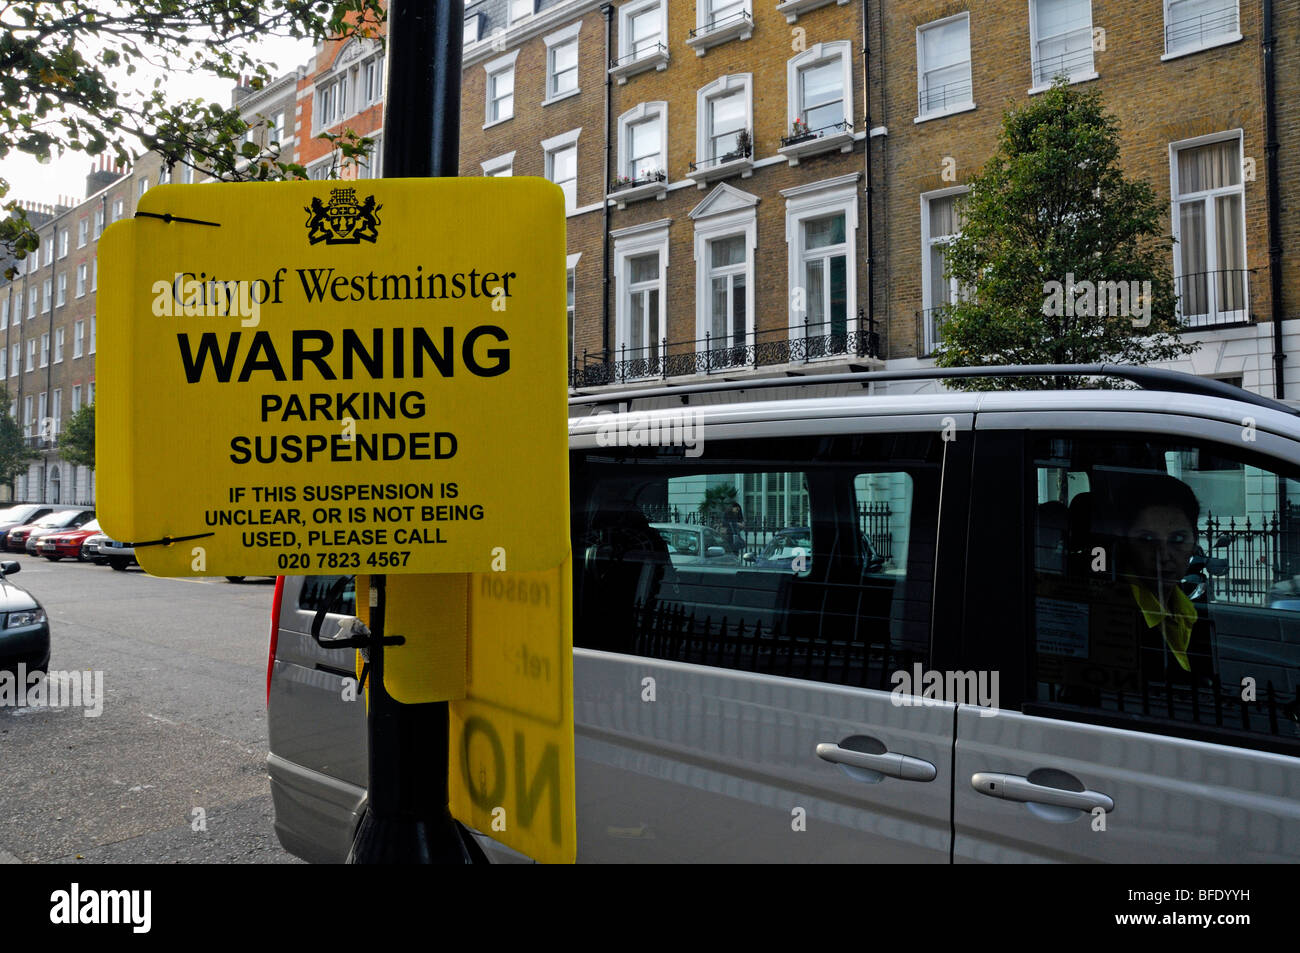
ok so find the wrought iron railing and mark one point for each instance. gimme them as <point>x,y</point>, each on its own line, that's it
<point>620,183</point>
<point>644,52</point>
<point>929,329</point>
<point>1191,31</point>
<point>1213,297</point>
<point>821,133</point>
<point>936,98</point>
<point>710,355</point>
<point>1064,64</point>
<point>721,23</point>
<point>744,151</point>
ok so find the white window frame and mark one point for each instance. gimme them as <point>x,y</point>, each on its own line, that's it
<point>627,12</point>
<point>33,300</point>
<point>45,351</point>
<point>64,235</point>
<point>814,200</point>
<point>816,55</point>
<point>83,232</point>
<point>1034,40</point>
<point>47,295</point>
<point>58,345</point>
<point>720,87</point>
<point>4,314</point>
<point>927,305</point>
<point>94,273</point>
<point>82,271</point>
<point>4,362</point>
<point>502,165</point>
<point>959,106</point>
<point>1222,39</point>
<point>641,113</point>
<point>76,398</point>
<point>78,336</point>
<point>712,30</point>
<point>27,416</point>
<point>629,243</point>
<point>31,354</point>
<point>15,360</point>
<point>99,222</point>
<point>61,290</point>
<point>49,249</point>
<point>1213,317</point>
<point>473,28</point>
<point>492,69</point>
<point>555,144</point>
<point>738,217</point>
<point>571,273</point>
<point>515,14</point>
<point>119,209</point>
<point>144,184</point>
<point>92,334</point>
<point>554,42</point>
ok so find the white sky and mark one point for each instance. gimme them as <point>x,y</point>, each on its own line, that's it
<point>29,180</point>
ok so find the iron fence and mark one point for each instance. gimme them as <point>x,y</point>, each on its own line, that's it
<point>1190,32</point>
<point>711,355</point>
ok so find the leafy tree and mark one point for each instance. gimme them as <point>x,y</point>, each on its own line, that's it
<point>62,66</point>
<point>1050,228</point>
<point>77,442</point>
<point>715,502</point>
<point>14,453</point>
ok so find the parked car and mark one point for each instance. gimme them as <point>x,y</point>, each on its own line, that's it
<point>1062,728</point>
<point>117,554</point>
<point>693,545</point>
<point>90,548</point>
<point>24,628</point>
<point>67,545</point>
<point>21,515</point>
<point>25,538</point>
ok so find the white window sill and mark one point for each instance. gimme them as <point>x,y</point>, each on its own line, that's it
<point>636,193</point>
<point>842,140</point>
<point>793,9</point>
<point>1074,80</point>
<point>656,60</point>
<point>721,170</point>
<point>561,97</point>
<point>944,113</point>
<point>497,122</point>
<point>1225,40</point>
<point>742,28</point>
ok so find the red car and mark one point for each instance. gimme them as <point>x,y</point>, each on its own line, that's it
<point>67,544</point>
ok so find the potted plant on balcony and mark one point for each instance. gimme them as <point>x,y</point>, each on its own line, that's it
<point>799,132</point>
<point>622,182</point>
<point>744,147</point>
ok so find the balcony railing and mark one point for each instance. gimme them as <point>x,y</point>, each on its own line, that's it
<point>937,98</point>
<point>1069,64</point>
<point>732,19</point>
<point>1208,298</point>
<point>625,183</point>
<point>1188,33</point>
<point>743,152</point>
<point>643,53</point>
<point>710,355</point>
<point>821,133</point>
<point>929,329</point>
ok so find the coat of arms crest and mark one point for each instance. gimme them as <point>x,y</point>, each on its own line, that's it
<point>344,221</point>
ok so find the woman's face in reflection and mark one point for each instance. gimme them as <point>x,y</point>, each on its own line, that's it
<point>1160,545</point>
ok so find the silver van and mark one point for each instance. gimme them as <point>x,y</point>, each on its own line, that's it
<point>1029,625</point>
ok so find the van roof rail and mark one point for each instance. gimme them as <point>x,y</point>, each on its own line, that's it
<point>1147,378</point>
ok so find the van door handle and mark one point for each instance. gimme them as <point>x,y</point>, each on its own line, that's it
<point>1012,787</point>
<point>892,765</point>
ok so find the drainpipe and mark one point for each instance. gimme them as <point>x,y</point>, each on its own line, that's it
<point>608,11</point>
<point>1274,201</point>
<point>871,244</point>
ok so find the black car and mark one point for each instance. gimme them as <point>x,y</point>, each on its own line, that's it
<point>24,628</point>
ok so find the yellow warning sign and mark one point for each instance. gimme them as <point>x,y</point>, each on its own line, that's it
<point>318,377</point>
<point>512,760</point>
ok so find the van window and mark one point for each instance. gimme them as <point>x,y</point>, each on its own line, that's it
<point>1167,587</point>
<point>811,557</point>
<point>316,589</point>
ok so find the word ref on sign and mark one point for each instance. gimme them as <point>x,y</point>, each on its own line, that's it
<point>336,376</point>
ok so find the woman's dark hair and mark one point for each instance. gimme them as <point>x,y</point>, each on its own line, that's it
<point>1133,494</point>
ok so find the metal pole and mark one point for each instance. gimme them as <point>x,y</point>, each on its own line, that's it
<point>407,819</point>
